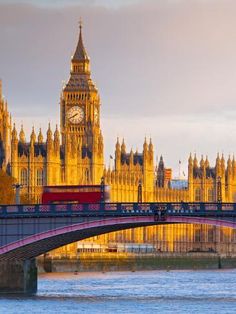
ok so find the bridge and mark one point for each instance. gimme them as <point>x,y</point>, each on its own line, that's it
<point>28,231</point>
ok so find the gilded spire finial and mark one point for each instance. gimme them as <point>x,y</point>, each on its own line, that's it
<point>80,24</point>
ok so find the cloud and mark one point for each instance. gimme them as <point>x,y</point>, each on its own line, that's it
<point>152,60</point>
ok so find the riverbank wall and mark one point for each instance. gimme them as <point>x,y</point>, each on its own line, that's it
<point>135,262</point>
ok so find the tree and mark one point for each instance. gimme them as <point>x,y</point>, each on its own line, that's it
<point>26,199</point>
<point>7,193</point>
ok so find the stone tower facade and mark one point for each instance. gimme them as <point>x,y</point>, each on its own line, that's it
<point>5,132</point>
<point>211,184</point>
<point>80,122</point>
<point>73,155</point>
<point>131,169</point>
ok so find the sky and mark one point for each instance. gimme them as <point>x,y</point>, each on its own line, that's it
<point>164,68</point>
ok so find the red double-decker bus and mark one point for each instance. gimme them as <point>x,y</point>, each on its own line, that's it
<point>75,194</point>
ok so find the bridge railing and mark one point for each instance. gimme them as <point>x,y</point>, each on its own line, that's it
<point>181,208</point>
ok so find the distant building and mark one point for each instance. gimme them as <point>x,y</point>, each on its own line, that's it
<point>74,154</point>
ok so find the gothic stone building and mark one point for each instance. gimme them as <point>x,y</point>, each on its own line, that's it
<point>73,154</point>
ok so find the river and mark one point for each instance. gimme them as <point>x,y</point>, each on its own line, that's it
<point>129,292</point>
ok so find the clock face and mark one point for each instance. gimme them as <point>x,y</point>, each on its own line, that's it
<point>75,114</point>
<point>96,115</point>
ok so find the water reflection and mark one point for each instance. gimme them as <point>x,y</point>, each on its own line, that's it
<point>128,292</point>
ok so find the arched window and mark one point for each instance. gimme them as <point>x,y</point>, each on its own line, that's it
<point>198,195</point>
<point>39,177</point>
<point>23,177</point>
<point>210,195</point>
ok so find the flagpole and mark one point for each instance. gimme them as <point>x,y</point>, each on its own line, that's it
<point>111,158</point>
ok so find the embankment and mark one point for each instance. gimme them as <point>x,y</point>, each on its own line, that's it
<point>130,262</point>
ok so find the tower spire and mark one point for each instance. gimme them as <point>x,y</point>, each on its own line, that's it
<point>80,53</point>
<point>80,63</point>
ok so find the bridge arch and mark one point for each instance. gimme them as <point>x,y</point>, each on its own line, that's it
<point>40,243</point>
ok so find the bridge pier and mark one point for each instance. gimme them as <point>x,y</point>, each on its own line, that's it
<point>18,276</point>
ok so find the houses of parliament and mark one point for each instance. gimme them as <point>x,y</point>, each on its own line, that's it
<point>73,154</point>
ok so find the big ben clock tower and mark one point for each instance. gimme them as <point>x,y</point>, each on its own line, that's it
<point>80,120</point>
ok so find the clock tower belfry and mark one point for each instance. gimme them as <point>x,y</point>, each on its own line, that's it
<point>80,122</point>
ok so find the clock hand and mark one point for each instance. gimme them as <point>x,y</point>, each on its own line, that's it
<point>74,116</point>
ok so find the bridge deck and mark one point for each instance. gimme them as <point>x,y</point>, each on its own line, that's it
<point>119,209</point>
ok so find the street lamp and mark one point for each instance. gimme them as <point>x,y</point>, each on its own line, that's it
<point>219,190</point>
<point>17,187</point>
<point>140,191</point>
<point>103,197</point>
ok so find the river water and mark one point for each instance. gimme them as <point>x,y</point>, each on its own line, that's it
<point>129,292</point>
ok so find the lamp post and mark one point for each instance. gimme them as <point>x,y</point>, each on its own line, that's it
<point>17,187</point>
<point>219,191</point>
<point>102,190</point>
<point>140,191</point>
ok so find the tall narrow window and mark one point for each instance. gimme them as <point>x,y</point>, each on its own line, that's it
<point>23,177</point>
<point>39,177</point>
<point>210,195</point>
<point>87,175</point>
<point>198,195</point>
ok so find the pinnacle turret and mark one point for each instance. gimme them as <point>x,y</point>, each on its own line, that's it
<point>218,160</point>
<point>202,163</point>
<point>57,134</point>
<point>195,162</point>
<point>161,163</point>
<point>22,135</point>
<point>145,145</point>
<point>233,162</point>
<point>190,160</point>
<point>49,133</point>
<point>14,133</point>
<point>223,163</point>
<point>33,136</point>
<point>229,163</point>
<point>40,137</point>
<point>123,147</point>
<point>117,144</point>
<point>150,146</point>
